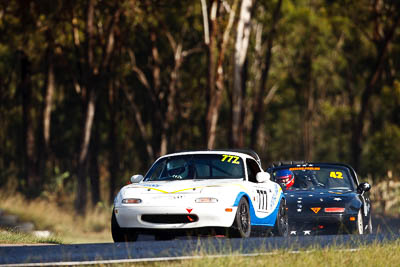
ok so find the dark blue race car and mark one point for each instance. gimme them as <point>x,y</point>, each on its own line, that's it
<point>323,198</point>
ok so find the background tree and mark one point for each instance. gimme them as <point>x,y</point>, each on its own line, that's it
<point>93,91</point>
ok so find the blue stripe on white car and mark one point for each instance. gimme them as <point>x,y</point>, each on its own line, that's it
<point>257,221</point>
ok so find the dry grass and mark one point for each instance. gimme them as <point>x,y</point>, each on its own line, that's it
<point>372,255</point>
<point>12,237</point>
<point>94,227</point>
<point>46,214</point>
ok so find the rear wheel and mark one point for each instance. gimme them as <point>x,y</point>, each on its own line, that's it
<point>241,225</point>
<point>121,234</point>
<point>281,227</point>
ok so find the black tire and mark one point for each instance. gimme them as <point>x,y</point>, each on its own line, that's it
<point>370,228</point>
<point>121,234</point>
<point>241,226</point>
<point>281,227</point>
<point>359,227</point>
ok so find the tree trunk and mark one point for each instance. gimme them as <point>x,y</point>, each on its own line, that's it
<point>382,46</point>
<point>308,117</point>
<point>81,199</point>
<point>44,150</point>
<point>48,102</point>
<point>140,124</point>
<point>241,44</point>
<point>95,78</point>
<point>25,87</point>
<point>212,97</point>
<point>259,109</point>
<point>215,78</point>
<point>94,165</point>
<point>113,151</point>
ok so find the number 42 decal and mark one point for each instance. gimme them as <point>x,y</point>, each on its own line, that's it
<point>229,158</point>
<point>337,175</point>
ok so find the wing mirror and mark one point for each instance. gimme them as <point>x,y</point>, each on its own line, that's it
<point>363,187</point>
<point>262,177</point>
<point>136,178</point>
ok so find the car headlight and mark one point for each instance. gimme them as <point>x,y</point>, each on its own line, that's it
<point>206,200</point>
<point>131,201</point>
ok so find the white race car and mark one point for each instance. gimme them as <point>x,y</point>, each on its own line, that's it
<point>200,192</point>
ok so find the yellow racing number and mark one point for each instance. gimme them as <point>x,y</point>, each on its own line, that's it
<point>228,158</point>
<point>336,175</point>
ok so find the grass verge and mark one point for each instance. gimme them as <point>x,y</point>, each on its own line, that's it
<point>62,220</point>
<point>387,254</point>
<point>12,237</point>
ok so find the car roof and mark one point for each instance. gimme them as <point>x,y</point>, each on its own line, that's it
<point>246,153</point>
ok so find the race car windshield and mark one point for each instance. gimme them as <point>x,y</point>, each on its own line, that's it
<point>197,166</point>
<point>333,178</point>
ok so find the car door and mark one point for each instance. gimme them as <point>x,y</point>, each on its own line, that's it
<point>261,192</point>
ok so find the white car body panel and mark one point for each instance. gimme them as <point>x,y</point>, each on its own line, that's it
<point>179,197</point>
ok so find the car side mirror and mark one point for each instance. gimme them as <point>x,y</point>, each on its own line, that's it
<point>262,177</point>
<point>363,187</point>
<point>136,178</point>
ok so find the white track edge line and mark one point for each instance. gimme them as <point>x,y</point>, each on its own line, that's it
<point>71,263</point>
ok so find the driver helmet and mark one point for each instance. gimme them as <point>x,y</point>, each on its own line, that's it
<point>285,178</point>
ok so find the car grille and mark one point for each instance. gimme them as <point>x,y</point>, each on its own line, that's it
<point>170,218</point>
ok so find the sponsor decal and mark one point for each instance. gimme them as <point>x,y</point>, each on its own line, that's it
<point>305,168</point>
<point>337,193</point>
<point>151,185</point>
<point>172,192</point>
<point>337,199</point>
<point>316,209</point>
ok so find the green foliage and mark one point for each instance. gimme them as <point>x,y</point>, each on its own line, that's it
<point>324,54</point>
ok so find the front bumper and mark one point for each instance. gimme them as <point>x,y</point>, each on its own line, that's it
<point>322,224</point>
<point>197,216</point>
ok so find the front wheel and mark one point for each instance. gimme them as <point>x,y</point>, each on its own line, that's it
<point>241,225</point>
<point>359,229</point>
<point>121,234</point>
<point>370,229</point>
<point>281,227</point>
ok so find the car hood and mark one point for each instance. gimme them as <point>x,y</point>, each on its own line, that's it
<point>195,186</point>
<point>312,202</point>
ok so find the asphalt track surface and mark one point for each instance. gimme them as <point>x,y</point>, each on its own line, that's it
<point>140,251</point>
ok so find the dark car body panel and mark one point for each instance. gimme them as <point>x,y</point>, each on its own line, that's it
<point>306,207</point>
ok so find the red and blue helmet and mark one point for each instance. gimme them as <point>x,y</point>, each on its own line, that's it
<point>285,178</point>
